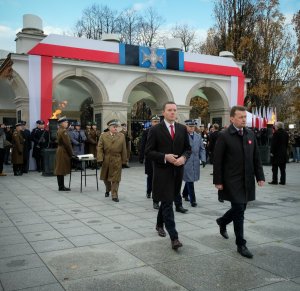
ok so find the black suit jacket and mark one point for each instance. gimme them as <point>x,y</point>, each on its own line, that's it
<point>279,144</point>
<point>167,178</point>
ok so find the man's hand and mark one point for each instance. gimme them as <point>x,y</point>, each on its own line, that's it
<point>180,161</point>
<point>171,158</point>
<point>99,163</point>
<point>260,183</point>
<point>203,164</point>
<point>219,186</point>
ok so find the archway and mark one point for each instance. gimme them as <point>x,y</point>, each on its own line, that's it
<point>8,108</point>
<point>209,101</point>
<point>75,95</point>
<point>145,97</point>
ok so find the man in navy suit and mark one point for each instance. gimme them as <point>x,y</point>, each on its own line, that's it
<point>168,147</point>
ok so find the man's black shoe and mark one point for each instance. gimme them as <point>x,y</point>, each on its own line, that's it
<point>273,183</point>
<point>64,189</point>
<point>161,231</point>
<point>106,194</point>
<point>244,252</point>
<point>155,205</point>
<point>175,244</point>
<point>125,167</point>
<point>148,195</point>
<point>181,209</point>
<point>186,198</point>
<point>115,199</point>
<point>223,230</point>
<point>281,183</point>
<point>194,204</point>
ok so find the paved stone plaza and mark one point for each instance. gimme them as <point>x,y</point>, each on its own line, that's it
<point>52,240</point>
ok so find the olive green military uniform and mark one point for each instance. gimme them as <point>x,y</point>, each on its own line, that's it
<point>17,152</point>
<point>111,151</point>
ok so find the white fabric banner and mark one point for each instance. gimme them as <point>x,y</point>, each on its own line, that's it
<point>34,89</point>
<point>234,91</point>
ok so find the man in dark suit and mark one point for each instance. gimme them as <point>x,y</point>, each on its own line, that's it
<point>27,146</point>
<point>236,165</point>
<point>279,145</point>
<point>168,147</point>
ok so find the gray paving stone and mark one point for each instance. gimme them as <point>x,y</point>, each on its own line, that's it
<point>10,230</point>
<point>89,261</point>
<point>121,235</point>
<point>215,272</point>
<point>26,278</point>
<point>56,218</point>
<point>280,286</point>
<point>34,227</point>
<point>12,239</point>
<point>42,235</point>
<point>5,223</point>
<point>107,227</point>
<point>144,278</point>
<point>27,220</point>
<point>278,258</point>
<point>66,224</point>
<point>51,245</point>
<point>12,250</point>
<point>45,213</point>
<point>20,263</point>
<point>50,287</point>
<point>89,239</point>
<point>156,250</point>
<point>75,231</point>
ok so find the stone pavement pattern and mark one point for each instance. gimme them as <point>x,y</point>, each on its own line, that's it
<point>52,240</point>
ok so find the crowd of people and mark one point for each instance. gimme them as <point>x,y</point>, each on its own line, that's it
<point>172,153</point>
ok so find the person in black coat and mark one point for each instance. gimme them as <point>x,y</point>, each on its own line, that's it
<point>27,146</point>
<point>278,151</point>
<point>168,147</point>
<point>236,165</point>
<point>148,163</point>
<point>212,141</point>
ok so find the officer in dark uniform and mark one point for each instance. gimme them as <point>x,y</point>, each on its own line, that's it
<point>27,146</point>
<point>40,138</point>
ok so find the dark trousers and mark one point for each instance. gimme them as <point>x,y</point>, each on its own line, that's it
<point>189,191</point>
<point>61,181</point>
<point>236,214</point>
<point>149,183</point>
<point>26,158</point>
<point>17,168</point>
<point>165,216</point>
<point>39,163</point>
<point>282,172</point>
<point>2,153</point>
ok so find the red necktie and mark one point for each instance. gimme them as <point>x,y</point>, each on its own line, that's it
<point>172,131</point>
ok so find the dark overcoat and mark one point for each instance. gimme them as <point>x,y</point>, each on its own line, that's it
<point>111,151</point>
<point>148,162</point>
<point>64,153</point>
<point>279,145</point>
<point>167,178</point>
<point>18,148</point>
<point>236,165</point>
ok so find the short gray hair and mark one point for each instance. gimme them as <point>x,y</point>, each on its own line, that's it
<point>279,124</point>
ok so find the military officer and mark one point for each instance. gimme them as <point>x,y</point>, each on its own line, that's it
<point>27,146</point>
<point>93,138</point>
<point>18,150</point>
<point>87,132</point>
<point>40,138</point>
<point>64,154</point>
<point>111,154</point>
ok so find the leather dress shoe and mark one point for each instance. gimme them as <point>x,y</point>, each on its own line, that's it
<point>281,183</point>
<point>194,204</point>
<point>161,231</point>
<point>186,198</point>
<point>223,230</point>
<point>115,199</point>
<point>64,189</point>
<point>106,194</point>
<point>155,205</point>
<point>243,250</point>
<point>148,195</point>
<point>176,244</point>
<point>181,209</point>
<point>273,183</point>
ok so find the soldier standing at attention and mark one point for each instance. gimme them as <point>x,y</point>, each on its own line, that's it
<point>18,150</point>
<point>64,154</point>
<point>111,154</point>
